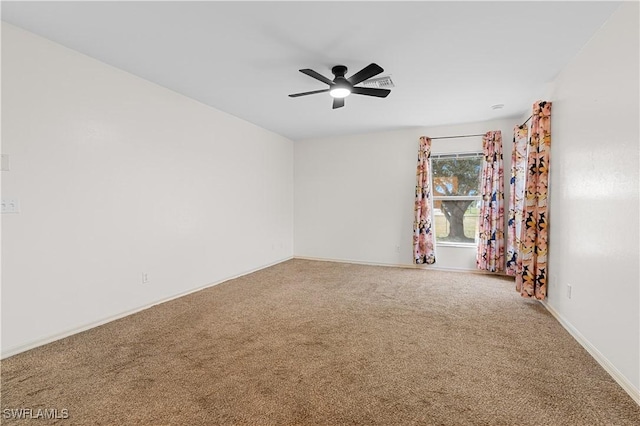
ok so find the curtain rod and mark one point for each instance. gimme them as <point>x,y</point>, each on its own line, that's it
<point>472,136</point>
<point>461,136</point>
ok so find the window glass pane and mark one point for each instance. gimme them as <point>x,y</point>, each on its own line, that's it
<point>456,176</point>
<point>456,220</point>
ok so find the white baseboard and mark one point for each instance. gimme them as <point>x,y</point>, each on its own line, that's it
<point>398,265</point>
<point>52,338</point>
<point>633,392</point>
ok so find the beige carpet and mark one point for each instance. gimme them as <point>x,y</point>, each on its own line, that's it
<point>325,343</point>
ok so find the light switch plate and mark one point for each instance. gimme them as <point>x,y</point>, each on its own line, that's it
<point>10,205</point>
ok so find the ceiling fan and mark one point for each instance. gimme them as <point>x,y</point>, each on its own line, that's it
<point>341,87</point>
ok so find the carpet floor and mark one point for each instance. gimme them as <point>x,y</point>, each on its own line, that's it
<point>324,343</point>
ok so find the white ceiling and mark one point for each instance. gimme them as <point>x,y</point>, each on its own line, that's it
<point>450,61</point>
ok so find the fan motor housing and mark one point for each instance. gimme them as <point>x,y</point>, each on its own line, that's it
<point>339,70</point>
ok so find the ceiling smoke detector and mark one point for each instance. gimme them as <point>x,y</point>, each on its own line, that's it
<point>379,82</point>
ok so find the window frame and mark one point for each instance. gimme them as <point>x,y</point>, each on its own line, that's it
<point>434,198</point>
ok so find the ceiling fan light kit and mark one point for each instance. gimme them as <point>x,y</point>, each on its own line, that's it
<point>341,87</point>
<point>340,91</point>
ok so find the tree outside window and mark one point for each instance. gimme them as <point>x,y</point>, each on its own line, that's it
<point>456,196</point>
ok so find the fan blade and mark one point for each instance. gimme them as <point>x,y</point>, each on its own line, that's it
<point>370,91</point>
<point>312,73</point>
<point>295,95</point>
<point>365,73</point>
<point>338,103</point>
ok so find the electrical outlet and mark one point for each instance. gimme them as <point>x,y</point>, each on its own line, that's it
<point>569,291</point>
<point>145,278</point>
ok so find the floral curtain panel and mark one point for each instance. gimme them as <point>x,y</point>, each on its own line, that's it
<point>516,199</point>
<point>490,255</point>
<point>423,251</point>
<point>531,275</point>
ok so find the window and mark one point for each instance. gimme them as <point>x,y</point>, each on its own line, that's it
<point>456,197</point>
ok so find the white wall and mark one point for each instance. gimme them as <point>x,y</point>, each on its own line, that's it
<point>354,195</point>
<point>594,192</point>
<point>117,176</point>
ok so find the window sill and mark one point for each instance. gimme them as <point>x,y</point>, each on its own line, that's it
<point>463,245</point>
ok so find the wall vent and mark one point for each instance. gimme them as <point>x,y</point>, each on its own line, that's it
<point>378,82</point>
